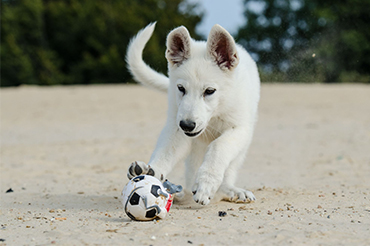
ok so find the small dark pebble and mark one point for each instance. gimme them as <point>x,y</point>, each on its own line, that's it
<point>190,242</point>
<point>9,190</point>
<point>222,213</point>
<point>2,240</point>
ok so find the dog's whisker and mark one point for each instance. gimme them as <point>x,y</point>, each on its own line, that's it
<point>211,131</point>
<point>209,134</point>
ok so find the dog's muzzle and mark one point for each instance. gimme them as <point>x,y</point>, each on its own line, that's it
<point>192,134</point>
<point>188,127</point>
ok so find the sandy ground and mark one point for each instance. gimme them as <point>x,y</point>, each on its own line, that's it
<point>65,152</point>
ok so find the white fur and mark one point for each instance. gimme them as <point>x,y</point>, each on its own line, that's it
<point>225,119</point>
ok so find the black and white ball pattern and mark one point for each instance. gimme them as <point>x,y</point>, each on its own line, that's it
<point>145,198</point>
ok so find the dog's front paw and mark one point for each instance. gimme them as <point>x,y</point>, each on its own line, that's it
<point>202,193</point>
<point>139,168</point>
<point>234,194</point>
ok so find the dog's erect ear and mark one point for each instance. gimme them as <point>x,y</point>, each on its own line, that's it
<point>221,47</point>
<point>178,46</point>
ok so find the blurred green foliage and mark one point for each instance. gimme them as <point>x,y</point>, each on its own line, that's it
<point>49,42</point>
<point>309,40</point>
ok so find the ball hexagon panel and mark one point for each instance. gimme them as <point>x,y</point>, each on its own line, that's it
<point>135,198</point>
<point>154,190</point>
<point>138,178</point>
<point>151,213</point>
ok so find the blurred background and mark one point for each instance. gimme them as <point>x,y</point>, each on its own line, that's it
<point>51,42</point>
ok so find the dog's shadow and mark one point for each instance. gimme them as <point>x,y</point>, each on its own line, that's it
<point>77,202</point>
<point>65,204</point>
<point>104,207</point>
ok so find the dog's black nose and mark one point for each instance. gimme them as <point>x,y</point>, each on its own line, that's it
<point>187,125</point>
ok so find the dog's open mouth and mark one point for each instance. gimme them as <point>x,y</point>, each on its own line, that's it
<point>191,134</point>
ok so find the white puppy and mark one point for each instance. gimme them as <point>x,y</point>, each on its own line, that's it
<point>213,92</point>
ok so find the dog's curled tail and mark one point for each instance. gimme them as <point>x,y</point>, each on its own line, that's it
<point>138,68</point>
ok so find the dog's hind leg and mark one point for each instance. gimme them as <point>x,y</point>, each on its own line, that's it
<point>228,190</point>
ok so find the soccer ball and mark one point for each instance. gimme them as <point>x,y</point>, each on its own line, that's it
<point>145,198</point>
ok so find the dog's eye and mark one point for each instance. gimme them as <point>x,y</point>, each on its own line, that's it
<point>181,89</point>
<point>209,91</point>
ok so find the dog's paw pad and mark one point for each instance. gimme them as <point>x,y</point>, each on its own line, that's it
<point>139,168</point>
<point>151,172</point>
